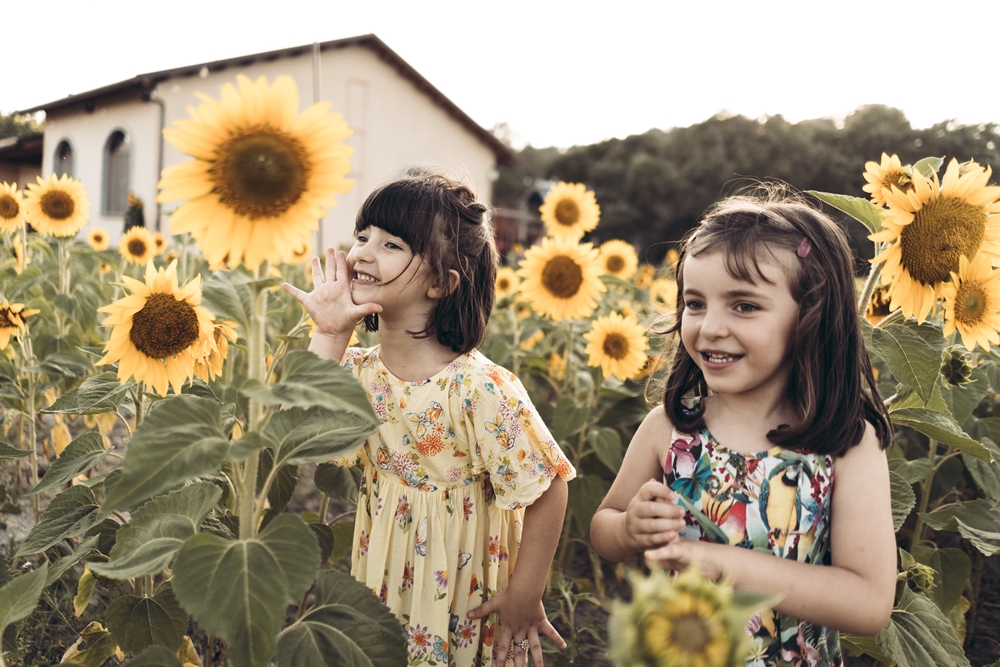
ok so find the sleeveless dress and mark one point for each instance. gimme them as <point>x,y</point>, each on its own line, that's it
<point>446,477</point>
<point>776,501</point>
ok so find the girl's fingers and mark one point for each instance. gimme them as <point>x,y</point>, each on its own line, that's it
<point>342,268</point>
<point>506,638</point>
<point>331,264</point>
<point>535,647</point>
<point>483,610</point>
<point>552,634</point>
<point>298,294</point>
<point>317,271</point>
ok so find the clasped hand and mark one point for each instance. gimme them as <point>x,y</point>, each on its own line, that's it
<point>330,304</point>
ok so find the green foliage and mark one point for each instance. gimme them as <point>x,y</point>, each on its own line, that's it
<point>13,125</point>
<point>19,597</point>
<point>138,622</point>
<point>919,634</point>
<point>79,456</point>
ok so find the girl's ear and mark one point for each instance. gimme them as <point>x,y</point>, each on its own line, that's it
<point>435,292</point>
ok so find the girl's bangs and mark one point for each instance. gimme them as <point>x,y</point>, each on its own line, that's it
<point>399,208</point>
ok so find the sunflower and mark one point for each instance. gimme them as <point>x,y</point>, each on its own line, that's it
<point>104,268</point>
<point>209,366</point>
<point>618,259</point>
<point>557,366</point>
<point>930,227</point>
<point>645,277</point>
<point>570,210</point>
<point>878,307</point>
<point>616,345</point>
<point>884,176</point>
<point>300,254</point>
<point>11,208</point>
<point>561,278</point>
<point>159,243</point>
<point>12,321</point>
<point>971,303</point>
<point>664,290</point>
<point>57,206</point>
<point>531,341</point>
<point>97,238</point>
<point>160,330</point>
<point>507,282</point>
<point>262,176</point>
<point>137,246</point>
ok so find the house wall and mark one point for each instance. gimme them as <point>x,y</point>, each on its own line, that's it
<point>88,134</point>
<point>22,174</point>
<point>396,127</point>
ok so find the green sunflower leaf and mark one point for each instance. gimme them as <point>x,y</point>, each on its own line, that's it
<point>346,626</point>
<point>942,428</point>
<point>97,394</point>
<point>181,438</point>
<point>903,499</point>
<point>238,590</point>
<point>928,166</point>
<point>154,656</point>
<point>70,514</point>
<point>227,299</point>
<point>136,623</point>
<point>82,454</point>
<point>912,360</point>
<point>859,208</point>
<point>977,521</point>
<point>918,634</point>
<point>8,452</point>
<point>20,597</point>
<point>315,435</point>
<point>952,568</point>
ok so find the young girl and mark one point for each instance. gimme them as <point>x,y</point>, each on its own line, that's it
<point>770,398</point>
<point>461,451</point>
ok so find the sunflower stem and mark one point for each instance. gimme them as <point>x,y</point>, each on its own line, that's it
<point>140,388</point>
<point>869,288</point>
<point>248,503</point>
<point>29,360</point>
<point>925,494</point>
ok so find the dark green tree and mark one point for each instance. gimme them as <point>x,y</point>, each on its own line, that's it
<point>12,125</point>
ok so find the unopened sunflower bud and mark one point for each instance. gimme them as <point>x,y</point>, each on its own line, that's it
<point>956,366</point>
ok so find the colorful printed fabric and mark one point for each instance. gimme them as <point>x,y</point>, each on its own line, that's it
<point>446,477</point>
<point>776,501</point>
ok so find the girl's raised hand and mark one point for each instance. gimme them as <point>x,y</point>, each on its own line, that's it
<point>330,304</point>
<point>652,518</point>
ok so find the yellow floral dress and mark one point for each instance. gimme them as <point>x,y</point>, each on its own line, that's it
<point>446,477</point>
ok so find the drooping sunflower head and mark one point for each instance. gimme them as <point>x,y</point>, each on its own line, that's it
<point>57,206</point>
<point>507,282</point>
<point>97,238</point>
<point>561,278</point>
<point>618,259</point>
<point>11,208</point>
<point>616,345</point>
<point>972,303</point>
<point>208,364</point>
<point>262,175</point>
<point>931,226</point>
<point>570,210</point>
<point>12,321</point>
<point>886,175</point>
<point>159,243</point>
<point>159,331</point>
<point>137,246</point>
<point>956,366</point>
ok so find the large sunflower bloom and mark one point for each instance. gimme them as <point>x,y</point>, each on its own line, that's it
<point>616,345</point>
<point>12,317</point>
<point>561,278</point>
<point>97,239</point>
<point>618,259</point>
<point>930,227</point>
<point>137,246</point>
<point>570,210</point>
<point>209,366</point>
<point>11,208</point>
<point>972,303</point>
<point>262,176</point>
<point>159,330</point>
<point>507,282</point>
<point>884,176</point>
<point>57,206</point>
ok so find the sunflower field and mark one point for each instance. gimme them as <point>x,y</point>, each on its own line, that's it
<point>169,482</point>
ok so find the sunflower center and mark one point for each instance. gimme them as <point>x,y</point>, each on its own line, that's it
<point>8,207</point>
<point>5,320</point>
<point>691,633</point>
<point>164,326</point>
<point>970,303</point>
<point>567,212</point>
<point>896,177</point>
<point>941,232</point>
<point>57,204</point>
<point>261,173</point>
<point>615,263</point>
<point>137,247</point>
<point>615,346</point>
<point>503,284</point>
<point>562,277</point>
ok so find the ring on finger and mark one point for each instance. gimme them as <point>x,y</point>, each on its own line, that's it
<point>523,645</point>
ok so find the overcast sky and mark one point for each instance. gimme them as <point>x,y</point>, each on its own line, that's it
<point>559,73</point>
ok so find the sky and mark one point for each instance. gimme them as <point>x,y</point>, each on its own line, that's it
<point>558,73</point>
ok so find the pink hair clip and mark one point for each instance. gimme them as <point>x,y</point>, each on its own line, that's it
<point>804,248</point>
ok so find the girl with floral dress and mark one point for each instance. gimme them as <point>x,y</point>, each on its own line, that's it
<point>770,428</point>
<point>464,490</point>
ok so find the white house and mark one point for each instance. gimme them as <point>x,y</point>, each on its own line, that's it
<point>111,138</point>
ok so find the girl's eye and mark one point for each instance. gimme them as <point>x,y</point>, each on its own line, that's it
<point>360,238</point>
<point>693,305</point>
<point>746,308</point>
<point>394,246</point>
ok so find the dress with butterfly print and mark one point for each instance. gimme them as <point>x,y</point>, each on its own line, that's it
<point>776,501</point>
<point>446,477</point>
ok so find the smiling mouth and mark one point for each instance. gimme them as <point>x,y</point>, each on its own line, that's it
<point>719,358</point>
<point>365,278</point>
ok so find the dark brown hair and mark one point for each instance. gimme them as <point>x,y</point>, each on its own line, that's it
<point>448,229</point>
<point>831,386</point>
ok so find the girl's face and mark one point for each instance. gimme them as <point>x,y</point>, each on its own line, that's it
<point>385,270</point>
<point>739,334</point>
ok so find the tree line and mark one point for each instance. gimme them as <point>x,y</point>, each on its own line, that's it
<point>653,187</point>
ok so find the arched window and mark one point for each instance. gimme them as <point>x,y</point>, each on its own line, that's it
<point>62,163</point>
<point>116,168</point>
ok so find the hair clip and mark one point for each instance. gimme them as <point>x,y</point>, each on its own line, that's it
<point>804,247</point>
